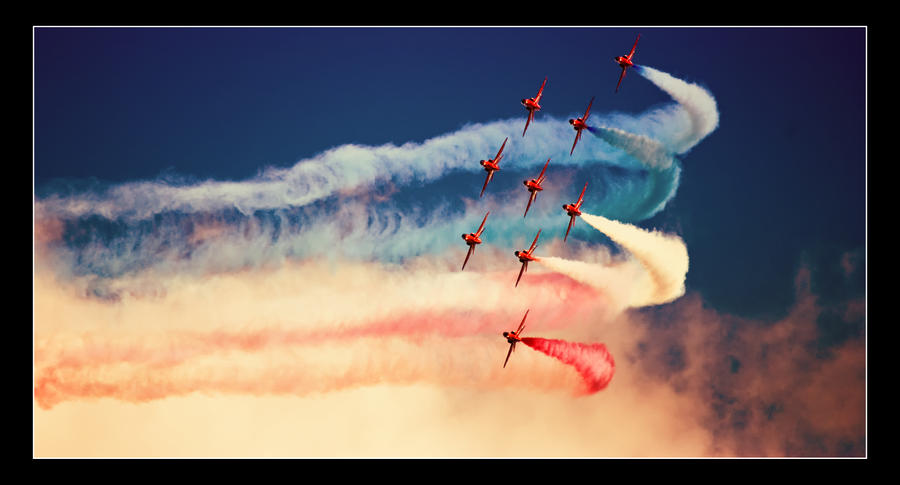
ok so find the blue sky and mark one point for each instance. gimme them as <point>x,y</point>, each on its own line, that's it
<point>781,179</point>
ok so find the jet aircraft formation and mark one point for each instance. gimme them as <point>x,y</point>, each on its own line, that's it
<point>534,186</point>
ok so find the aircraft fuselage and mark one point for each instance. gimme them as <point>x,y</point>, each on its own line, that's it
<point>532,185</point>
<point>530,104</point>
<point>571,210</point>
<point>489,165</point>
<point>471,239</point>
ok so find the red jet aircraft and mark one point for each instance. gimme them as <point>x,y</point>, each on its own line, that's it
<point>532,105</point>
<point>525,256</point>
<point>513,337</point>
<point>574,210</point>
<point>579,124</point>
<point>491,166</point>
<point>473,238</point>
<point>625,61</point>
<point>534,186</point>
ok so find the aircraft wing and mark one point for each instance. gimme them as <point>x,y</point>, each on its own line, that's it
<point>481,227</point>
<point>534,243</point>
<point>530,117</point>
<point>634,47</point>
<point>541,176</point>
<point>537,99</point>
<point>522,325</point>
<point>511,347</point>
<point>486,180</point>
<point>577,136</point>
<point>571,221</point>
<point>581,197</point>
<point>497,158</point>
<point>530,200</point>
<point>471,250</point>
<point>524,265</point>
<point>588,111</point>
<point>621,76</point>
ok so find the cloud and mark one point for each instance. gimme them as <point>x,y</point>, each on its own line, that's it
<point>762,388</point>
<point>418,357</point>
<point>194,336</point>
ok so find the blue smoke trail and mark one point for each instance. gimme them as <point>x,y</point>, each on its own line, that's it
<point>411,222</point>
<point>695,107</point>
<point>385,203</point>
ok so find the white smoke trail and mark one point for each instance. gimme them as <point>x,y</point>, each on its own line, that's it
<point>698,104</point>
<point>655,276</point>
<point>677,128</point>
<point>664,256</point>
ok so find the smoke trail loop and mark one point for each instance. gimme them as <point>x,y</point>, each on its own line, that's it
<point>697,102</point>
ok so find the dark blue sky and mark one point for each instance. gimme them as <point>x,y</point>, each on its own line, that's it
<point>781,181</point>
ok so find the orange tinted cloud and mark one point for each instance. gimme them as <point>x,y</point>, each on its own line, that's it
<point>409,363</point>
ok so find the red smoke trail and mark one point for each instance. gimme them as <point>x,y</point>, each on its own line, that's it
<point>592,361</point>
<point>149,365</point>
<point>575,301</point>
<point>568,301</point>
<point>280,372</point>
